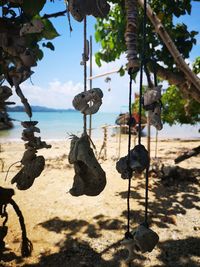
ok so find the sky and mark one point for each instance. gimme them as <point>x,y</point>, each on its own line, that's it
<point>58,76</point>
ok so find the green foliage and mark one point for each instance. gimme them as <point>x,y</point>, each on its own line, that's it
<point>196,65</point>
<point>111,31</point>
<point>177,109</point>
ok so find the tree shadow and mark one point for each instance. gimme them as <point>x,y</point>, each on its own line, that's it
<point>75,252</point>
<point>180,253</point>
<point>166,202</point>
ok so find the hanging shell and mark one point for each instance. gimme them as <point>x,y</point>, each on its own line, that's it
<point>31,170</point>
<point>155,117</point>
<point>79,8</point>
<point>152,96</point>
<point>5,93</point>
<point>129,244</point>
<point>139,160</point>
<point>89,179</point>
<point>82,101</point>
<point>145,238</point>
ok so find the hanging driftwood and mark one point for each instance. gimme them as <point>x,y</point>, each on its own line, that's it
<point>188,154</point>
<point>89,179</point>
<point>6,195</point>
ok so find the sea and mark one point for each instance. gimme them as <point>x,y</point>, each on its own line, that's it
<point>60,124</point>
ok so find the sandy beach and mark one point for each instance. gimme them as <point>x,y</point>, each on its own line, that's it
<point>69,231</point>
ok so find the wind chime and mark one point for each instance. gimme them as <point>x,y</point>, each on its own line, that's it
<point>89,178</point>
<point>17,59</point>
<point>137,161</point>
<point>14,45</point>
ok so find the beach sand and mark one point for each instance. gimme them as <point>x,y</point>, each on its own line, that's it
<point>86,231</point>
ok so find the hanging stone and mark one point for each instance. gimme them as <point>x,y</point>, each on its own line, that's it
<point>81,8</point>
<point>139,161</point>
<point>88,102</point>
<point>90,178</point>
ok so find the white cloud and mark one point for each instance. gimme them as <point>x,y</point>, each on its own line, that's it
<point>56,95</point>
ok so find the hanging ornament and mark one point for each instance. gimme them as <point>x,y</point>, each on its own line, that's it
<point>141,239</point>
<point>89,179</point>
<point>131,34</point>
<point>81,8</point>
<point>139,161</point>
<point>152,103</point>
<point>33,165</point>
<point>88,102</point>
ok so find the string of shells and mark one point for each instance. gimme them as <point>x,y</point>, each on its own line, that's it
<point>131,34</point>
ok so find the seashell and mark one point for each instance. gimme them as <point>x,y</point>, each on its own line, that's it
<point>28,155</point>
<point>97,8</point>
<point>82,101</point>
<point>26,176</point>
<point>28,124</point>
<point>129,244</point>
<point>152,96</point>
<point>139,160</point>
<point>155,117</point>
<point>145,238</point>
<point>89,179</point>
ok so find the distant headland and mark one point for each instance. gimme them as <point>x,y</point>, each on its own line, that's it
<point>39,109</point>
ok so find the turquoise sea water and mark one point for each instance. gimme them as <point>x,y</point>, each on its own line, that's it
<point>57,125</point>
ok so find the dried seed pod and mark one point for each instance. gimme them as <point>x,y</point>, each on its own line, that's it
<point>89,177</point>
<point>82,101</point>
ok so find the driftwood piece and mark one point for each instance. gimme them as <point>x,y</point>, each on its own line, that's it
<point>188,154</point>
<point>173,175</point>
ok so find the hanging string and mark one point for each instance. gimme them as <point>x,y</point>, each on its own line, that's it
<point>128,163</point>
<point>85,70</point>
<point>143,62</point>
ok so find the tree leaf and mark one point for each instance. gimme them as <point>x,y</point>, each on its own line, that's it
<point>49,45</point>
<point>49,31</point>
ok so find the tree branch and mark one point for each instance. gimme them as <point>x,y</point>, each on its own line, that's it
<point>177,79</point>
<point>193,81</point>
<point>55,15</point>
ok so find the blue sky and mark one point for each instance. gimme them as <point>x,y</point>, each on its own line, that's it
<point>59,76</point>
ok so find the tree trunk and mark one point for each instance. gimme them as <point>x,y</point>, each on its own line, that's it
<point>191,83</point>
